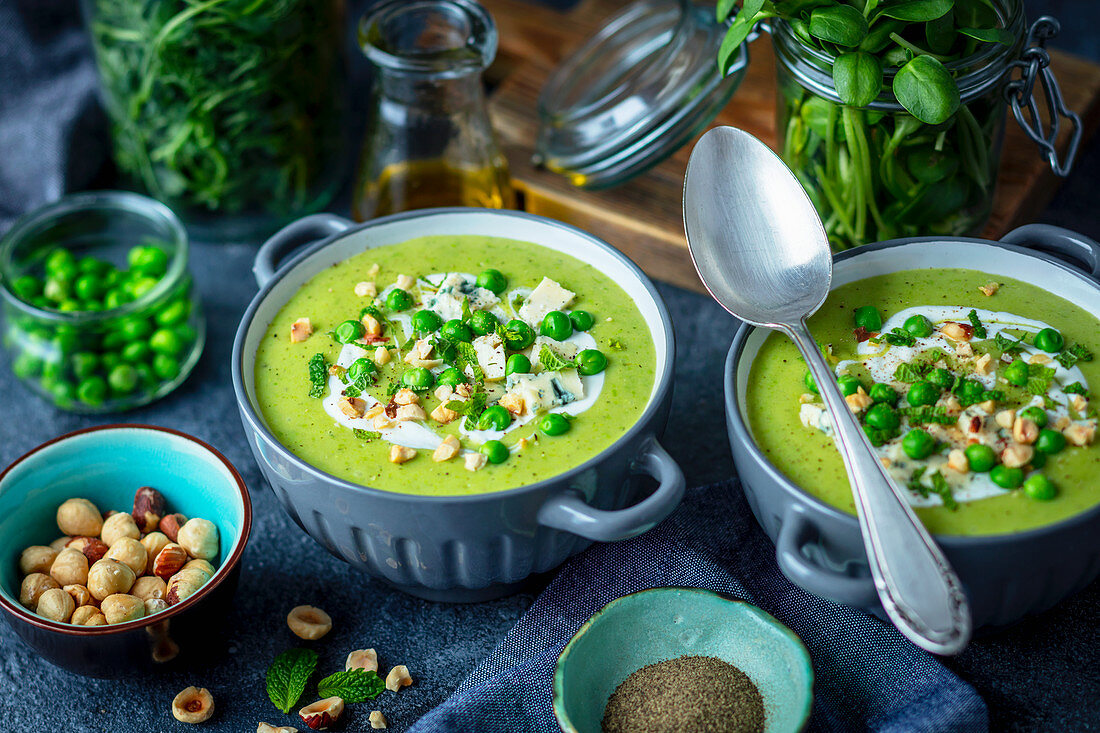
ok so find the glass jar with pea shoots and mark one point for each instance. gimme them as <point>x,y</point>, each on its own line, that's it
<point>892,112</point>
<point>100,312</point>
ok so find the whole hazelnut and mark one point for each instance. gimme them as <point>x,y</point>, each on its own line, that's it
<point>185,584</point>
<point>153,543</point>
<point>61,543</point>
<point>170,525</point>
<point>37,559</point>
<point>149,587</point>
<point>129,551</point>
<point>169,561</point>
<point>92,547</point>
<point>33,586</point>
<point>79,517</point>
<point>149,507</point>
<point>108,577</point>
<point>155,605</point>
<point>119,608</point>
<point>193,705</point>
<point>118,526</point>
<point>81,595</point>
<point>83,614</point>
<point>70,567</point>
<point>200,538</point>
<point>202,566</point>
<point>56,605</point>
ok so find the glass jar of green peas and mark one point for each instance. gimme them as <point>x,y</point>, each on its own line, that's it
<point>100,312</point>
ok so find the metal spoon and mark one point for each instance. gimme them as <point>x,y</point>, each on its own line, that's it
<point>760,249</point>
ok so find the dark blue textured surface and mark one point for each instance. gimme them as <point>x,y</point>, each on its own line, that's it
<point>1041,675</point>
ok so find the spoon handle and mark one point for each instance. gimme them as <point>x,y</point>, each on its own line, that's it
<point>918,588</point>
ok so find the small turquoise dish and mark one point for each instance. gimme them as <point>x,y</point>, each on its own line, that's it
<point>665,623</point>
<point>107,465</point>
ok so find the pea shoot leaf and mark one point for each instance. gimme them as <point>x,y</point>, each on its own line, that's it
<point>287,677</point>
<point>1039,378</point>
<point>351,686</point>
<point>918,11</point>
<point>839,24</point>
<point>989,35</point>
<point>858,77</point>
<point>365,435</point>
<point>925,88</point>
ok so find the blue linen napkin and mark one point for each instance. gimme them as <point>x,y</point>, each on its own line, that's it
<point>868,677</point>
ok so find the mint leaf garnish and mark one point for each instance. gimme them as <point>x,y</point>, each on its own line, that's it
<point>551,362</point>
<point>979,329</point>
<point>287,677</point>
<point>317,375</point>
<point>1074,354</point>
<point>354,685</point>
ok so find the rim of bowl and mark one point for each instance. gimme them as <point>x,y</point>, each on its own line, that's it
<point>223,570</point>
<point>558,702</point>
<point>733,412</point>
<point>256,423</point>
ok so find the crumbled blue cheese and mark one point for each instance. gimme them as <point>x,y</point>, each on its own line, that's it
<point>455,287</point>
<point>547,296</point>
<point>491,356</point>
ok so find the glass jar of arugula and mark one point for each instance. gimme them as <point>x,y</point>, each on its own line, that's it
<point>892,112</point>
<point>229,111</point>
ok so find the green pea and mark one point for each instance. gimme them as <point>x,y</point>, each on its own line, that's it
<point>26,365</point>
<point>941,378</point>
<point>146,377</point>
<point>918,326</point>
<point>492,280</point>
<point>91,305</point>
<point>484,322</point>
<point>517,364</point>
<point>148,260</point>
<point>66,342</point>
<point>495,451</point>
<point>166,341</point>
<point>923,393</point>
<point>174,313</point>
<point>883,417</point>
<point>1050,441</point>
<point>582,320</point>
<point>809,383</point>
<point>451,377</point>
<point>84,364</point>
<point>109,359</point>
<point>361,369</point>
<point>57,290</point>
<point>70,306</point>
<point>60,258</point>
<point>970,392</point>
<point>883,393</point>
<point>116,298</point>
<point>494,418</point>
<point>868,317</point>
<point>1039,487</point>
<point>1005,477</point>
<point>1017,373</point>
<point>92,391</point>
<point>918,444</point>
<point>166,368</point>
<point>399,300</point>
<point>426,321</point>
<point>123,378</point>
<point>1038,459</point>
<point>134,328</point>
<point>92,266</point>
<point>456,330</point>
<point>849,384</point>
<point>1049,340</point>
<point>87,287</point>
<point>556,325</point>
<point>1036,414</point>
<point>186,333</point>
<point>554,424</point>
<point>113,340</point>
<point>517,334</point>
<point>980,457</point>
<point>418,378</point>
<point>26,287</point>
<point>349,331</point>
<point>63,393</point>
<point>135,352</point>
<point>590,361</point>
<point>141,286</point>
<point>873,435</point>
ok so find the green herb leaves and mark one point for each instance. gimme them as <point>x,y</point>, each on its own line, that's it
<point>1039,378</point>
<point>1073,354</point>
<point>918,11</point>
<point>898,337</point>
<point>318,371</point>
<point>551,362</point>
<point>1076,388</point>
<point>287,677</point>
<point>979,329</point>
<point>941,487</point>
<point>365,435</point>
<point>354,685</point>
<point>738,31</point>
<point>858,77</point>
<point>839,24</point>
<point>925,88</point>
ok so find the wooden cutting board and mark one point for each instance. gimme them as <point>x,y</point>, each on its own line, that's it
<point>642,217</point>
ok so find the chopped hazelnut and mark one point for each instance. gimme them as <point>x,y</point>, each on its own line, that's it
<point>443,392</point>
<point>463,390</point>
<point>352,407</point>
<point>308,622</point>
<point>447,450</point>
<point>988,406</point>
<point>193,705</point>
<point>806,398</point>
<point>79,517</point>
<point>1039,359</point>
<point>1062,422</point>
<point>323,713</point>
<point>1006,419</point>
<point>513,403</point>
<point>398,677</point>
<point>381,356</point>
<point>982,365</point>
<point>374,269</point>
<point>1025,431</point>
<point>957,460</point>
<point>990,289</point>
<point>441,414</point>
<point>964,349</point>
<point>37,559</point>
<point>268,728</point>
<point>405,282</point>
<point>957,331</point>
<point>400,454</point>
<point>1016,455</point>
<point>372,325</point>
<point>474,461</point>
<point>1079,404</point>
<point>382,422</point>
<point>1080,434</point>
<point>362,659</point>
<point>859,400</point>
<point>377,720</point>
<point>406,396</point>
<point>952,405</point>
<point>300,330</point>
<point>410,412</point>
<point>366,289</point>
<point>374,410</point>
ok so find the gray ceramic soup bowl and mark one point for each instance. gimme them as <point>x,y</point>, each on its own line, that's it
<point>460,548</point>
<point>818,547</point>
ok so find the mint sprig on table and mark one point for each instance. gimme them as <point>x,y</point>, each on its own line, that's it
<point>354,685</point>
<point>287,677</point>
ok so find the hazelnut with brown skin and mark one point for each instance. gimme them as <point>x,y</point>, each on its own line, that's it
<point>153,543</point>
<point>149,587</point>
<point>323,713</point>
<point>193,705</point>
<point>169,561</point>
<point>130,552</point>
<point>200,538</point>
<point>118,526</point>
<point>70,567</point>
<point>93,548</point>
<point>56,605</point>
<point>309,622</point>
<point>83,614</point>
<point>81,595</point>
<point>170,525</point>
<point>185,584</point>
<point>149,507</point>
<point>108,577</point>
<point>33,586</point>
<point>60,543</point>
<point>79,517</point>
<point>37,559</point>
<point>119,608</point>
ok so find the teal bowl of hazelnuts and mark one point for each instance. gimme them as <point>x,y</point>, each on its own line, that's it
<point>100,310</point>
<point>683,659</point>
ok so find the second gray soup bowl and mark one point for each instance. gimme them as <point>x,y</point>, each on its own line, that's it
<point>460,548</point>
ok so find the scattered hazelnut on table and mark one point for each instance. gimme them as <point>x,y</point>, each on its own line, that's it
<point>323,713</point>
<point>377,720</point>
<point>200,538</point>
<point>308,622</point>
<point>193,705</point>
<point>398,677</point>
<point>268,728</point>
<point>362,659</point>
<point>37,559</point>
<point>108,577</point>
<point>79,517</point>
<point>33,586</point>
<point>118,526</point>
<point>149,507</point>
<point>55,604</point>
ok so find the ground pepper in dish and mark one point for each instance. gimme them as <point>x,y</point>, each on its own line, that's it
<point>687,695</point>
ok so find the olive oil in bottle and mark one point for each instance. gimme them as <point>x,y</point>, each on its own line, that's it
<point>422,184</point>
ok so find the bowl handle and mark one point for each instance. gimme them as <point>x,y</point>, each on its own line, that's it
<point>795,533</point>
<point>292,236</point>
<point>569,512</point>
<point>1066,244</point>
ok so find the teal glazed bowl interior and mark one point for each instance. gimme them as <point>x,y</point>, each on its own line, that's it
<point>107,465</point>
<point>665,623</point>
